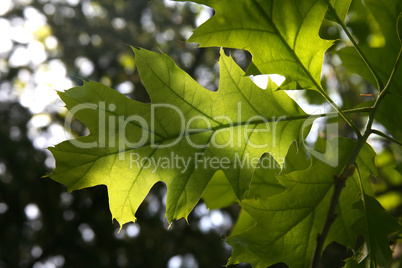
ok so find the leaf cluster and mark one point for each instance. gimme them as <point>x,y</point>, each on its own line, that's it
<point>307,197</point>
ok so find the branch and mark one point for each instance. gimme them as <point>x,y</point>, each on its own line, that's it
<point>338,186</point>
<point>349,167</point>
<point>355,110</point>
<point>379,133</point>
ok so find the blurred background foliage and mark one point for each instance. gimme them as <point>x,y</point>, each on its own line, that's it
<point>48,45</point>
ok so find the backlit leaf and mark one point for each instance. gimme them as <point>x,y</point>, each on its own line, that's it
<point>133,145</point>
<point>284,36</point>
<point>298,214</point>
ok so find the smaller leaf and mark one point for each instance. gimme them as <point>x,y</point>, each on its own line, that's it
<point>219,193</point>
<point>375,227</point>
<point>287,224</point>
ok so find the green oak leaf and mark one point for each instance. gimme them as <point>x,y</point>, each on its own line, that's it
<point>375,228</point>
<point>133,145</point>
<point>287,224</point>
<point>284,36</point>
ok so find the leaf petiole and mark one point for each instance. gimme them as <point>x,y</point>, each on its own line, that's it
<point>342,113</point>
